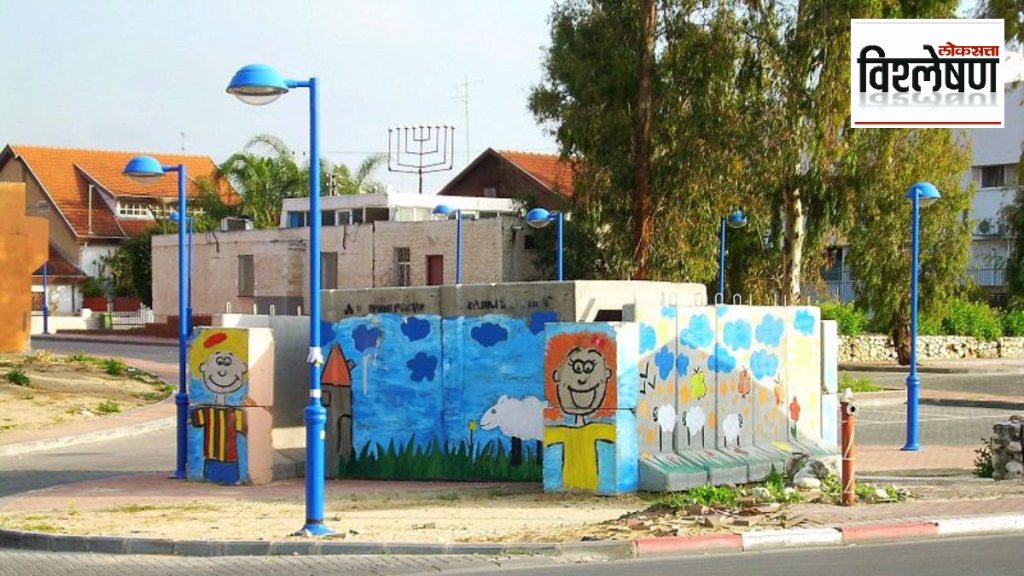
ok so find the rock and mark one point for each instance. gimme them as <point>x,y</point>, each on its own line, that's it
<point>712,521</point>
<point>1014,467</point>
<point>789,491</point>
<point>880,494</point>
<point>697,510</point>
<point>746,521</point>
<point>761,494</point>
<point>426,526</point>
<point>747,502</point>
<point>808,483</point>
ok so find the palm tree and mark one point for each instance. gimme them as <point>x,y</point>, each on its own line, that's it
<point>265,172</point>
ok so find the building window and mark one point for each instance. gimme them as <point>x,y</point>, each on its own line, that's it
<point>246,276</point>
<point>490,192</point>
<point>403,267</point>
<point>993,176</point>
<point>328,270</point>
<point>343,217</point>
<point>133,210</point>
<point>297,219</point>
<point>529,242</point>
<point>328,218</point>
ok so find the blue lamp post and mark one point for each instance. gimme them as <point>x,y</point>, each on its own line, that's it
<point>146,170</point>
<point>446,211</point>
<point>921,195</point>
<point>46,296</point>
<point>258,84</point>
<point>735,220</point>
<point>176,218</point>
<point>539,218</point>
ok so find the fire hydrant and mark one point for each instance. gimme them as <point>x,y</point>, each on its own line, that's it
<point>849,424</point>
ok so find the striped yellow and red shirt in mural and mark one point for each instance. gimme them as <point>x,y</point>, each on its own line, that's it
<point>222,424</point>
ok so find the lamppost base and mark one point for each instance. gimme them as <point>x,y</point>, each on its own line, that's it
<point>911,448</point>
<point>315,529</point>
<point>177,475</point>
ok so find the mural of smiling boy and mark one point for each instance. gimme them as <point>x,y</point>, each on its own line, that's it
<point>581,388</point>
<point>222,406</point>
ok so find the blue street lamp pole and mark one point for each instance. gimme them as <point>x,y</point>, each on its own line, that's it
<point>539,218</point>
<point>145,170</point>
<point>735,220</point>
<point>176,217</point>
<point>46,297</point>
<point>259,85</point>
<point>446,211</point>
<point>921,195</point>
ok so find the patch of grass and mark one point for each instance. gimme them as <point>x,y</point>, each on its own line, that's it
<point>706,495</point>
<point>443,462</point>
<point>18,378</point>
<point>832,491</point>
<point>449,496</point>
<point>776,485</point>
<point>131,508</point>
<point>857,385</point>
<point>40,357</point>
<point>983,459</point>
<point>39,527</point>
<point>108,407</point>
<point>84,358</point>
<point>114,367</point>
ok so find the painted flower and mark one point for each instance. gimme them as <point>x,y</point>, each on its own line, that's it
<point>472,425</point>
<point>794,410</point>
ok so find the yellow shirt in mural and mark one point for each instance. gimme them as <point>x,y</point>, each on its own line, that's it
<point>579,449</point>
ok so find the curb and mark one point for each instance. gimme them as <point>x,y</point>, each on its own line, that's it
<point>134,341</point>
<point>604,549</point>
<point>887,399</point>
<point>108,434</point>
<point>893,369</point>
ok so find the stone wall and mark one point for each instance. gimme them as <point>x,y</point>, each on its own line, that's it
<point>879,348</point>
<point>1007,450</point>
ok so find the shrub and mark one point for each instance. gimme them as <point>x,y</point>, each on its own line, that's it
<point>108,407</point>
<point>850,319</point>
<point>983,459</point>
<point>972,319</point>
<point>857,385</point>
<point>1013,323</point>
<point>114,367</point>
<point>929,325</point>
<point>18,377</point>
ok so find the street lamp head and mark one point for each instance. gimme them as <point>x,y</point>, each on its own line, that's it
<point>257,84</point>
<point>927,193</point>
<point>539,218</point>
<point>443,210</point>
<point>144,169</point>
<point>737,219</point>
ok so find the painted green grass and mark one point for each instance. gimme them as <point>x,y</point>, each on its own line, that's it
<point>437,462</point>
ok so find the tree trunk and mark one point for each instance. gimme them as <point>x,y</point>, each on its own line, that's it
<point>643,206</point>
<point>793,250</point>
<point>900,333</point>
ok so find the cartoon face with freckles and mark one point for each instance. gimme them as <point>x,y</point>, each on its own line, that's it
<point>582,381</point>
<point>223,373</point>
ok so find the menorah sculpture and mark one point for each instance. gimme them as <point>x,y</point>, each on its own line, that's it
<point>427,149</point>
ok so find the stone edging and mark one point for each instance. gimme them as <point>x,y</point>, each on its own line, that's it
<point>611,549</point>
<point>878,347</point>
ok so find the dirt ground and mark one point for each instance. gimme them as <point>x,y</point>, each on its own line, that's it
<point>452,512</point>
<point>63,389</point>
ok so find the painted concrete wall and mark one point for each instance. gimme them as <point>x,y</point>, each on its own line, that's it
<point>231,394</point>
<point>728,392</point>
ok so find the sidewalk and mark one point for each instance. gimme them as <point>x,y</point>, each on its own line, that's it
<point>960,366</point>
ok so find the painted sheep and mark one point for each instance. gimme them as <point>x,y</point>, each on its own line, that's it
<point>665,416</point>
<point>732,425</point>
<point>694,419</point>
<point>518,418</point>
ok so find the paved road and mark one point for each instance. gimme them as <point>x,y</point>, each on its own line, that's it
<point>998,384</point>
<point>990,556</point>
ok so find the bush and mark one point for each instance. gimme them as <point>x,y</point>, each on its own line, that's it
<point>850,319</point>
<point>983,459</point>
<point>108,407</point>
<point>857,385</point>
<point>1013,323</point>
<point>18,378</point>
<point>114,367</point>
<point>929,325</point>
<point>972,319</point>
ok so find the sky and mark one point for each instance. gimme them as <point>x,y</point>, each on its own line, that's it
<point>131,75</point>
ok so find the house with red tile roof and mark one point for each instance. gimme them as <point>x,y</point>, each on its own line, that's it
<point>544,179</point>
<point>91,206</point>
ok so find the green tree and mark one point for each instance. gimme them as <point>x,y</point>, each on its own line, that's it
<point>130,268</point>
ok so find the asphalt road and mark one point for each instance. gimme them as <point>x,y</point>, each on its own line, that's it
<point>989,556</point>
